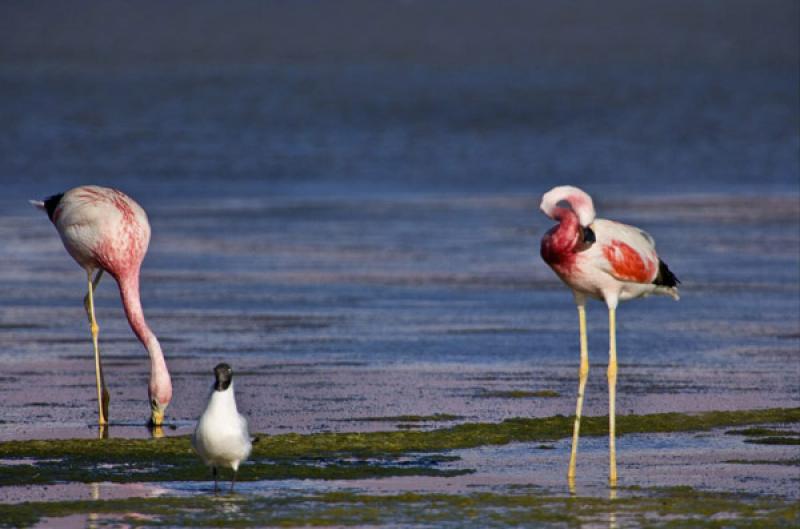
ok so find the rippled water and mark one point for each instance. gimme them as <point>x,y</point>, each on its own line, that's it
<point>337,308</point>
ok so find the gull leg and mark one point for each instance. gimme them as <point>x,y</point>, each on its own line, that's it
<point>612,392</point>
<point>214,472</point>
<point>102,392</point>
<point>233,481</point>
<point>583,374</point>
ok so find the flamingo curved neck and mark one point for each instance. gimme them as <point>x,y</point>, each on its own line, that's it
<point>159,375</point>
<point>578,201</point>
<point>562,240</point>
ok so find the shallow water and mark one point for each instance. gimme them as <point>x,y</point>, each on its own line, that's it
<point>353,223</point>
<point>651,461</point>
<point>331,311</point>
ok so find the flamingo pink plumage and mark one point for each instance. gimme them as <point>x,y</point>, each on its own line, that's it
<point>605,260</point>
<point>105,230</point>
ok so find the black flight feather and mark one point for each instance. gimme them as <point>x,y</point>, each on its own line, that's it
<point>665,277</point>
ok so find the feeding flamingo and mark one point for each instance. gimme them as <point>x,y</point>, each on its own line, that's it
<point>105,230</point>
<point>605,260</point>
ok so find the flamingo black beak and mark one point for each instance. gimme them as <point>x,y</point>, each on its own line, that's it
<point>588,236</point>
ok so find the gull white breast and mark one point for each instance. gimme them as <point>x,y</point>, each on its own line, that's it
<point>222,438</point>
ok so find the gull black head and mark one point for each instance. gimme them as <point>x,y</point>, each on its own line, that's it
<point>224,376</point>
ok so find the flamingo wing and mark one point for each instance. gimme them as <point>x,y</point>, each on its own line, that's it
<point>625,252</point>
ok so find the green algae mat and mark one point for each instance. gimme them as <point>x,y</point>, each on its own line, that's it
<point>332,455</point>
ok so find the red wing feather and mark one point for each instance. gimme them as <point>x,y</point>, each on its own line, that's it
<point>627,264</point>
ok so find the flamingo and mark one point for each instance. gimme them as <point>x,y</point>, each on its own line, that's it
<point>605,260</point>
<point>105,230</point>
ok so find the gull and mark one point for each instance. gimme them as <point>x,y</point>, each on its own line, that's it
<point>222,438</point>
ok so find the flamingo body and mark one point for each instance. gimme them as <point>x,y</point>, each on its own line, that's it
<point>105,230</point>
<point>605,260</point>
<point>600,258</point>
<point>620,263</point>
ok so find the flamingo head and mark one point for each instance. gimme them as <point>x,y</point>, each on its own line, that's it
<point>160,393</point>
<point>560,199</point>
<point>48,205</point>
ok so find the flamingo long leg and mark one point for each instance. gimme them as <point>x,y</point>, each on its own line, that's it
<point>612,392</point>
<point>102,392</point>
<point>94,286</point>
<point>583,374</point>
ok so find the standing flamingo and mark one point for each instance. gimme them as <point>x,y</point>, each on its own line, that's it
<point>605,260</point>
<point>105,230</point>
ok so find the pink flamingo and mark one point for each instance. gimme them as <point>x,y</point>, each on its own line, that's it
<point>105,230</point>
<point>605,260</point>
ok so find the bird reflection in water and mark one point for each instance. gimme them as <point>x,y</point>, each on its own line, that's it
<point>94,492</point>
<point>612,508</point>
<point>156,432</point>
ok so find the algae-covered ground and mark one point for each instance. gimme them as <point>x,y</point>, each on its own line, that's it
<point>405,478</point>
<point>300,449</point>
<point>667,508</point>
